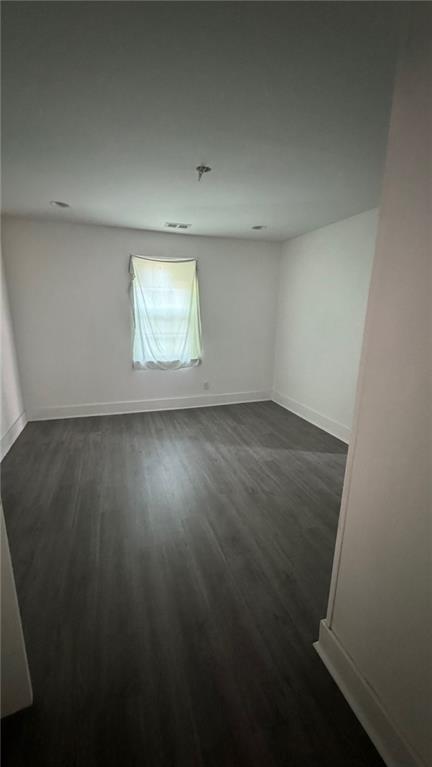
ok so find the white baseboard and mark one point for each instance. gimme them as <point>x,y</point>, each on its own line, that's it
<point>12,434</point>
<point>368,708</point>
<point>142,406</point>
<point>322,421</point>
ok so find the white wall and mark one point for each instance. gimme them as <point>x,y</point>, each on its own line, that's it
<point>16,690</point>
<point>68,287</point>
<point>68,283</point>
<point>12,409</point>
<point>323,290</point>
<point>377,638</point>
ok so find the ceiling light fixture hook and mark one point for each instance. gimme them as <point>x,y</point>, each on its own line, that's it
<point>201,169</point>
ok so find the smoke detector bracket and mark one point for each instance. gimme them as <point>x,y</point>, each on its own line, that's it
<point>201,169</point>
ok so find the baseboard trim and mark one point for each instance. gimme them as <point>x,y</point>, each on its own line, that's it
<point>12,434</point>
<point>368,708</point>
<point>148,405</point>
<point>335,428</point>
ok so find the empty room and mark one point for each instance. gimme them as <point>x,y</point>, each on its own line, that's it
<point>215,384</point>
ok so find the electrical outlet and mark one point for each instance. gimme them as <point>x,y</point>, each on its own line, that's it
<point>206,385</point>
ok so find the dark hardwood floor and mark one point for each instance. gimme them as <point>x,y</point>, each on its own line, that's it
<point>172,569</point>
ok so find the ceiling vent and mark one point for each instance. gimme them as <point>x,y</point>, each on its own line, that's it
<point>174,225</point>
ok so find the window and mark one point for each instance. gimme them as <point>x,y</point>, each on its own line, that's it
<point>166,313</point>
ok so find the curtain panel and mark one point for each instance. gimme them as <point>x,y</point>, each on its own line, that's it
<point>166,313</point>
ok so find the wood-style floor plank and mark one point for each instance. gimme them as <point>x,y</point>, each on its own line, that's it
<point>172,569</point>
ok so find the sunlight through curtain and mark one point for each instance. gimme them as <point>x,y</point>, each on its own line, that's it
<point>166,313</point>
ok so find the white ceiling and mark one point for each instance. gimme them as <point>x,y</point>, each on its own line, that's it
<point>110,106</point>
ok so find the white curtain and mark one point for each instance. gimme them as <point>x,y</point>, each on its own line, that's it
<point>166,313</point>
